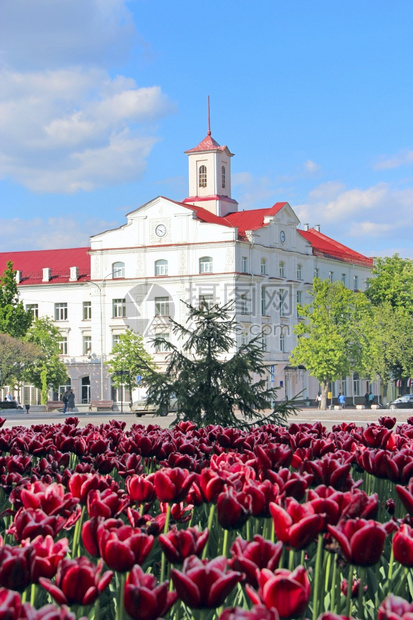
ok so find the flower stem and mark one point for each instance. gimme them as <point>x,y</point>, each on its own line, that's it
<point>317,577</point>
<point>362,575</point>
<point>349,590</point>
<point>210,519</point>
<point>165,531</point>
<point>120,611</point>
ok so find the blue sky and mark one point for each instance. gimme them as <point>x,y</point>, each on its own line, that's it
<point>100,99</point>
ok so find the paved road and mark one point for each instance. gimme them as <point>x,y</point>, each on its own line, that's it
<point>328,417</point>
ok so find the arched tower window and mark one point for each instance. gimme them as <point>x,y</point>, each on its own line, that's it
<point>161,267</point>
<point>223,176</point>
<point>118,270</point>
<point>202,176</point>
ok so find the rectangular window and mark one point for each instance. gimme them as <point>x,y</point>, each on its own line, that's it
<point>331,276</point>
<point>244,304</point>
<point>355,283</point>
<point>87,310</point>
<point>282,270</point>
<point>63,345</point>
<point>282,343</point>
<point>60,312</point>
<point>115,339</point>
<point>244,267</point>
<point>118,308</point>
<point>299,272</point>
<point>162,347</point>
<point>263,266</point>
<point>343,279</point>
<point>244,338</point>
<point>87,344</point>
<point>316,272</point>
<point>161,306</point>
<point>34,309</point>
<point>263,301</point>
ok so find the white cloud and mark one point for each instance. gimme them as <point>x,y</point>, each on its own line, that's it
<point>403,158</point>
<point>66,125</point>
<point>311,167</point>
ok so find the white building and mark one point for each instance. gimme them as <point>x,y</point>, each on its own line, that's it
<point>203,248</point>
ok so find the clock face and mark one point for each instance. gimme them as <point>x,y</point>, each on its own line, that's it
<point>160,230</point>
<point>282,236</point>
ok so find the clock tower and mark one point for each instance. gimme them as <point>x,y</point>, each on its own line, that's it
<point>210,176</point>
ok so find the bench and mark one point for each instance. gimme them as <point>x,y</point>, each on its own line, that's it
<point>101,405</point>
<point>8,404</point>
<point>54,404</point>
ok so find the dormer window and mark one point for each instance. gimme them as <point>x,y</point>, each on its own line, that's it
<point>202,176</point>
<point>223,176</point>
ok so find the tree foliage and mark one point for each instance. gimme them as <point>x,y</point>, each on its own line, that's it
<point>212,384</point>
<point>392,282</point>
<point>15,356</point>
<point>129,360</point>
<point>14,319</point>
<point>47,367</point>
<point>331,341</point>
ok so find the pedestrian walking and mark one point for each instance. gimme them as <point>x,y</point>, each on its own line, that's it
<point>65,398</point>
<point>371,399</point>
<point>367,400</point>
<point>70,400</point>
<point>342,401</point>
<point>318,399</point>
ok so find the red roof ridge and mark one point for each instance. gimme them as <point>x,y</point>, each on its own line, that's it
<point>208,144</point>
<point>326,246</point>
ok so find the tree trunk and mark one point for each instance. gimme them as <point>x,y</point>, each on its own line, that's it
<point>324,394</point>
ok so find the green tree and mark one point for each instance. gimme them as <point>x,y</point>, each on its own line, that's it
<point>14,319</point>
<point>331,341</point>
<point>392,282</point>
<point>212,385</point>
<point>129,360</point>
<point>47,369</point>
<point>15,357</point>
<point>389,350</point>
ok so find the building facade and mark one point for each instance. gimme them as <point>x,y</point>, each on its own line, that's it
<point>201,250</point>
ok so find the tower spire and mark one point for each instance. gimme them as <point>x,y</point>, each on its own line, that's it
<point>209,119</point>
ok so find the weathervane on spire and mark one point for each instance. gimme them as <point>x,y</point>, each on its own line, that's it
<point>209,119</point>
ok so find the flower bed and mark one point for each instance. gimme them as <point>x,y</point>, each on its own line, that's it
<point>271,523</point>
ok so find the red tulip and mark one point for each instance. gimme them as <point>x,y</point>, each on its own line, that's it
<point>172,485</point>
<point>395,608</point>
<point>130,465</point>
<point>15,567</point>
<point>233,509</point>
<point>141,489</point>
<point>298,524</point>
<point>105,503</point>
<point>361,542</point>
<point>406,496</point>
<point>50,498</point>
<point>287,592</point>
<point>144,599</point>
<point>90,536</point>
<point>177,545</point>
<point>48,612</point>
<point>10,605</point>
<point>204,584</point>
<point>251,556</point>
<point>78,582</point>
<point>258,612</point>
<point>403,546</point>
<point>81,484</point>
<point>123,546</point>
<point>46,557</point>
<point>31,523</point>
<point>212,483</point>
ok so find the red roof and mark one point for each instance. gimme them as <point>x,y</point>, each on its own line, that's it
<point>31,264</point>
<point>208,144</point>
<point>327,247</point>
<point>253,219</point>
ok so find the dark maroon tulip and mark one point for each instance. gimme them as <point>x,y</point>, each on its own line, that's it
<point>141,489</point>
<point>172,485</point>
<point>144,599</point>
<point>31,523</point>
<point>296,525</point>
<point>81,484</point>
<point>15,567</point>
<point>178,545</point>
<point>204,584</point>
<point>78,582</point>
<point>387,421</point>
<point>130,465</point>
<point>212,483</point>
<point>107,503</point>
<point>251,556</point>
<point>123,546</point>
<point>46,557</point>
<point>406,496</point>
<point>258,612</point>
<point>233,509</point>
<point>395,608</point>
<point>403,546</point>
<point>287,592</point>
<point>354,588</point>
<point>90,535</point>
<point>361,542</point>
<point>51,498</point>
